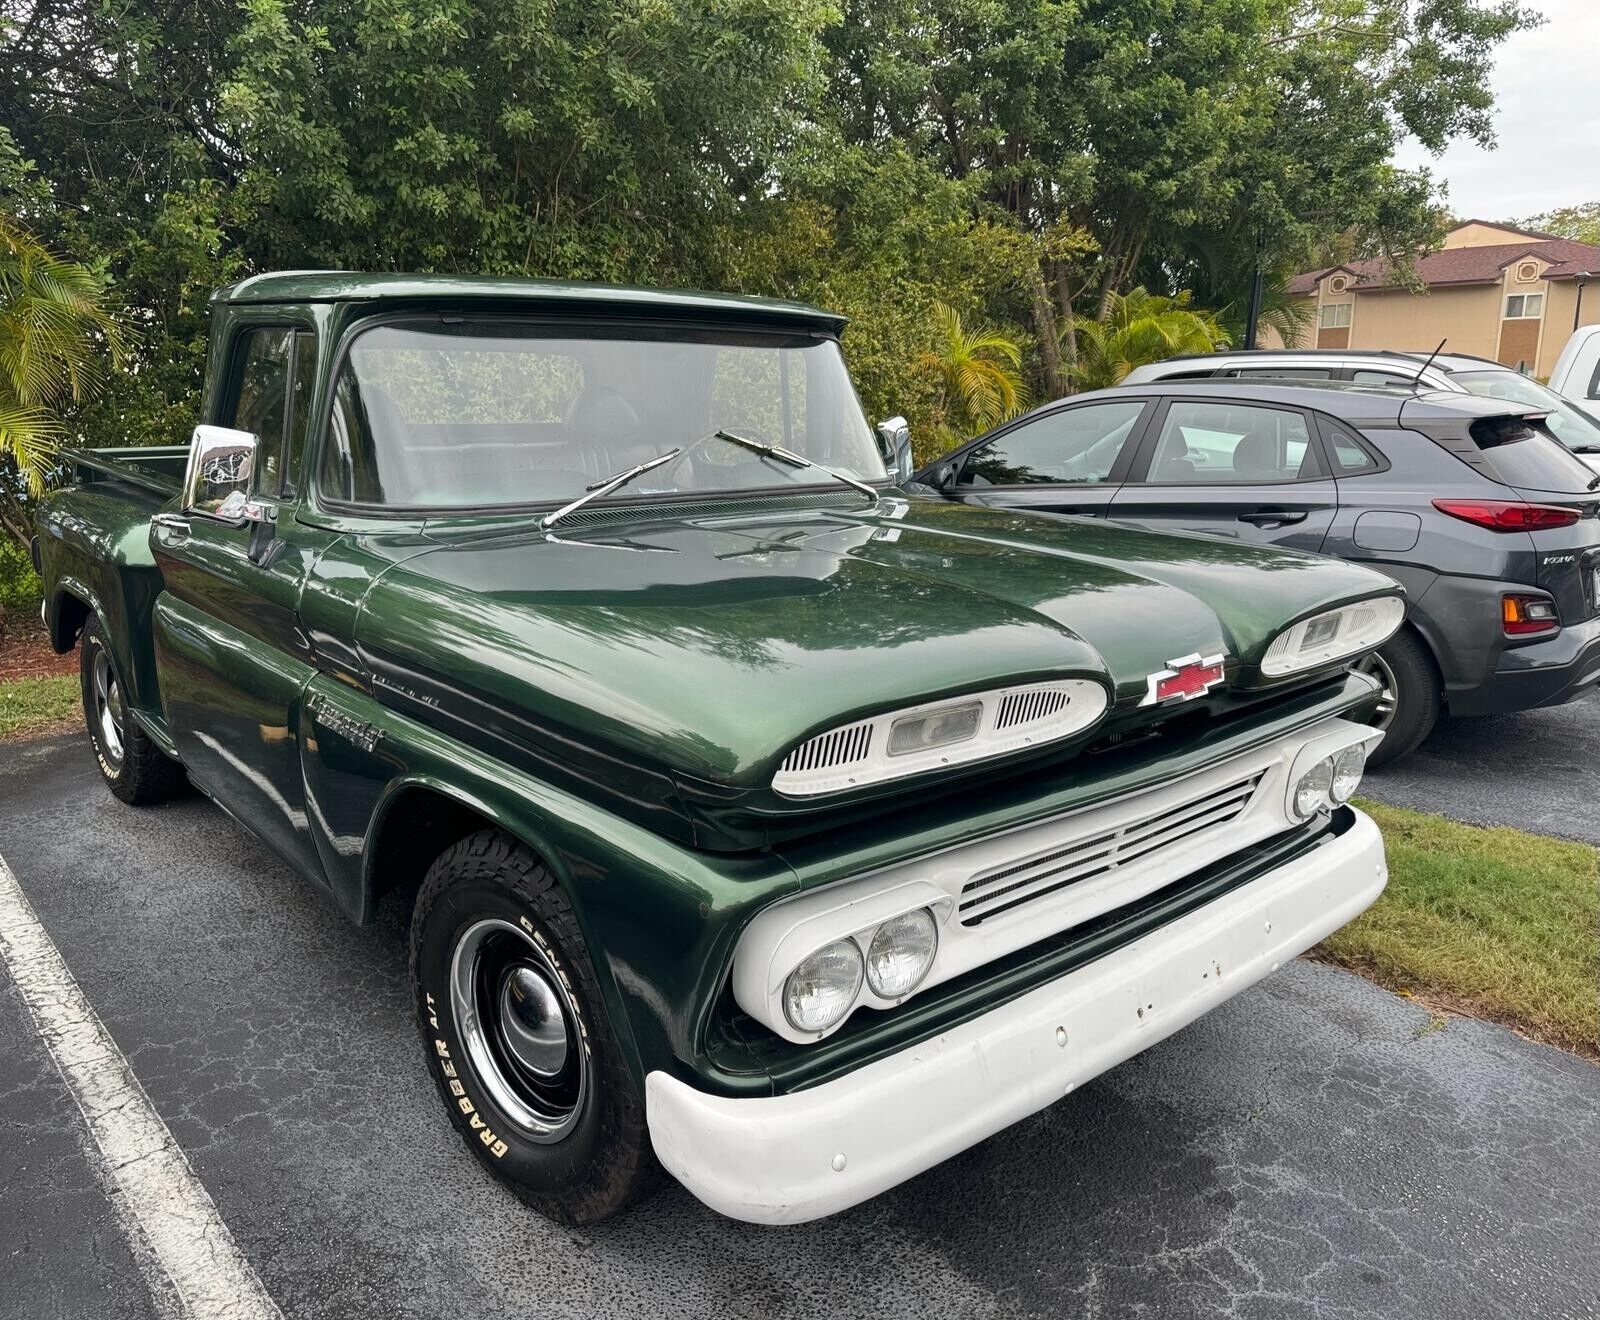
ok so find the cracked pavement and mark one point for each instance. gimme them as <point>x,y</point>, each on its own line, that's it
<point>1308,1149</point>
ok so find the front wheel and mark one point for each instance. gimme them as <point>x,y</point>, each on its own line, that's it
<point>1411,697</point>
<point>517,1036</point>
<point>134,768</point>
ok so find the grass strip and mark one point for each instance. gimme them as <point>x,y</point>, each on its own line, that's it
<point>1494,923</point>
<point>37,705</point>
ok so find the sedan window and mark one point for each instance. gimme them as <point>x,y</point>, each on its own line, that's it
<point>1571,425</point>
<point>1231,442</point>
<point>1071,445</point>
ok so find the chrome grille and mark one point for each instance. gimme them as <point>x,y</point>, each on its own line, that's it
<point>837,747</point>
<point>1001,889</point>
<point>1029,704</point>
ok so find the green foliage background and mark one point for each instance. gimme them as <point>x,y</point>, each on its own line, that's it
<point>1020,161</point>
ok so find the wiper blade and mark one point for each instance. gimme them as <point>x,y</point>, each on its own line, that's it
<point>794,460</point>
<point>605,486</point>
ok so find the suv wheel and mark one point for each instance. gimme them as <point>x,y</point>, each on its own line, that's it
<point>134,768</point>
<point>517,1036</point>
<point>1410,702</point>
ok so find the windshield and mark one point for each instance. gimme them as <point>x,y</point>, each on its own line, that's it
<point>475,415</point>
<point>1572,426</point>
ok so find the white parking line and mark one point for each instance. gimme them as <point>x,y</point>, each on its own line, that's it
<point>164,1209</point>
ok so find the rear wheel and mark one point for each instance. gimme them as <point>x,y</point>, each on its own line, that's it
<point>134,768</point>
<point>1409,704</point>
<point>517,1035</point>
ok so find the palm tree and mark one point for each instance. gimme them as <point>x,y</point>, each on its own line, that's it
<point>979,371</point>
<point>55,334</point>
<point>1139,327</point>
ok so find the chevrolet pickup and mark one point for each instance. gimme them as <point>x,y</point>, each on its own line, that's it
<point>761,819</point>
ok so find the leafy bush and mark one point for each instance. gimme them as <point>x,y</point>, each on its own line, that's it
<point>20,588</point>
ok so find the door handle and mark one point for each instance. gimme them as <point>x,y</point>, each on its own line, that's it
<point>170,528</point>
<point>1273,517</point>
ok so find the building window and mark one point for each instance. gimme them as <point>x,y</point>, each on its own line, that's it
<point>1333,316</point>
<point>1520,306</point>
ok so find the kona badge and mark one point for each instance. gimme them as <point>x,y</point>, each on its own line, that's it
<point>1184,679</point>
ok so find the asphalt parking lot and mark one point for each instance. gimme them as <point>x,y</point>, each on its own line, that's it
<point>1311,1149</point>
<point>1537,770</point>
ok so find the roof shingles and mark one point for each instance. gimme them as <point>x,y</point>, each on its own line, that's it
<point>1465,265</point>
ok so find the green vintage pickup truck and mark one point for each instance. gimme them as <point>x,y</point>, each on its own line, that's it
<point>763,820</point>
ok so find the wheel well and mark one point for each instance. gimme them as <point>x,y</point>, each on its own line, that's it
<point>417,826</point>
<point>72,612</point>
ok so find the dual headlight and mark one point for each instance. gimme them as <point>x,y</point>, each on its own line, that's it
<point>1331,782</point>
<point>891,960</point>
<point>1332,635</point>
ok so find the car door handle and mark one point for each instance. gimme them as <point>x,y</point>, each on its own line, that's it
<point>1273,517</point>
<point>170,528</point>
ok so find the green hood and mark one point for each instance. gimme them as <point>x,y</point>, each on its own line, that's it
<point>696,652</point>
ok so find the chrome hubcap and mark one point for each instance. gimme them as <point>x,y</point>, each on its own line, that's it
<point>108,711</point>
<point>1375,666</point>
<point>520,1028</point>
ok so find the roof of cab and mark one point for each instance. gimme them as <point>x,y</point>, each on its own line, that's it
<point>302,286</point>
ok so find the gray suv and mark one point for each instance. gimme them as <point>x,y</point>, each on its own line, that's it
<point>1492,527</point>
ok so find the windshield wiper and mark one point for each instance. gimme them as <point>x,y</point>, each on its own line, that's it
<point>605,486</point>
<point>793,460</point>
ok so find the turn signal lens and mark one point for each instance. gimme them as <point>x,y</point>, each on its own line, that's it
<point>1348,630</point>
<point>1522,615</point>
<point>1311,794</point>
<point>900,954</point>
<point>1508,515</point>
<point>1348,767</point>
<point>822,989</point>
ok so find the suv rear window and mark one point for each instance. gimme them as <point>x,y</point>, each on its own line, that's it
<point>1524,454</point>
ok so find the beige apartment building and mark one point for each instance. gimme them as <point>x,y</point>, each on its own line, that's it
<point>1493,290</point>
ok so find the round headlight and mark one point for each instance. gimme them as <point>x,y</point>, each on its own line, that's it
<point>1347,769</point>
<point>822,989</point>
<point>900,953</point>
<point>1311,793</point>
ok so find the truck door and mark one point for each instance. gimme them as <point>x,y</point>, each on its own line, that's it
<point>231,656</point>
<point>1246,471</point>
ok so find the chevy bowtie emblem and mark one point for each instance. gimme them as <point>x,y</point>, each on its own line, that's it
<point>1184,679</point>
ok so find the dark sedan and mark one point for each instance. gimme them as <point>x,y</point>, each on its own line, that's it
<point>1490,525</point>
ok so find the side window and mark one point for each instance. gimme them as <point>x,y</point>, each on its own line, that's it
<point>1361,376</point>
<point>302,377</point>
<point>1350,456</point>
<point>1078,445</point>
<point>261,404</point>
<point>1232,442</point>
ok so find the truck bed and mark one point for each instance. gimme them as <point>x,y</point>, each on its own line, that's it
<point>93,551</point>
<point>156,470</point>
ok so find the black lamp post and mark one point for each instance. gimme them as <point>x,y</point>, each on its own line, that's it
<point>1577,310</point>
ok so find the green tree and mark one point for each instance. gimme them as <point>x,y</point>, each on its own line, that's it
<point>1580,222</point>
<point>979,373</point>
<point>56,336</point>
<point>1139,328</point>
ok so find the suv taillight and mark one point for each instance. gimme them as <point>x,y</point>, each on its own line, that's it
<point>1522,616</point>
<point>1508,515</point>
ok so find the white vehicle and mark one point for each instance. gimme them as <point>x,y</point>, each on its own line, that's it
<point>1576,374</point>
<point>1574,425</point>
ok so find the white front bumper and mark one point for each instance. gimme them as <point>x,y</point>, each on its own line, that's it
<point>786,1159</point>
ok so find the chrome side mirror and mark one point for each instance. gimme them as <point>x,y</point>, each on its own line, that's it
<point>894,443</point>
<point>220,481</point>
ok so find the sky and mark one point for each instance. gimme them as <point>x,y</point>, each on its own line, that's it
<point>1547,123</point>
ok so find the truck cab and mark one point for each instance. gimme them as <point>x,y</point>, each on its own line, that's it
<point>762,820</point>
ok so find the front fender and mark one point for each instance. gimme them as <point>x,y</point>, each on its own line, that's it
<point>659,919</point>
